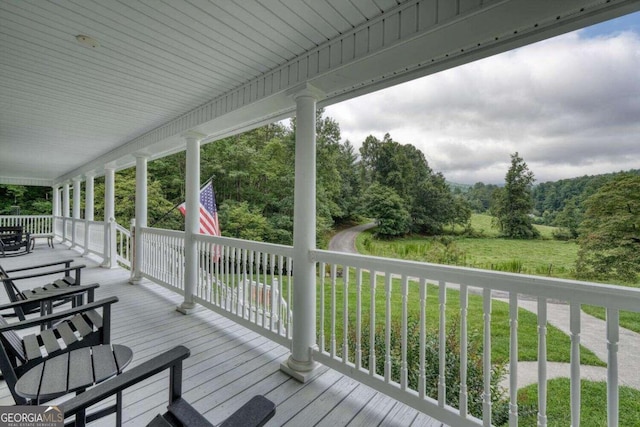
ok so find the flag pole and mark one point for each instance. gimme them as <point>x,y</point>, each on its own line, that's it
<point>178,204</point>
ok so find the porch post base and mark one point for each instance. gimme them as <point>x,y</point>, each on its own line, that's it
<point>107,265</point>
<point>186,308</point>
<point>136,280</point>
<point>303,372</point>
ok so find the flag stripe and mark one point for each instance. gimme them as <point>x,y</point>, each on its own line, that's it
<point>208,211</point>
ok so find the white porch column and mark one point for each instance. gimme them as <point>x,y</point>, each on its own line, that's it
<point>76,197</point>
<point>192,220</point>
<point>55,201</point>
<point>65,200</point>
<point>141,216</point>
<point>65,210</point>
<point>76,209</point>
<point>109,216</point>
<point>300,364</point>
<point>89,197</point>
<point>88,209</point>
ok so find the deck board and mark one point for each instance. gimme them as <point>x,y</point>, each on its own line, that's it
<point>228,363</point>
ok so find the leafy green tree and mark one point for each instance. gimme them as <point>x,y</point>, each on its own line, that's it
<point>435,206</point>
<point>158,208</point>
<point>568,220</point>
<point>389,210</point>
<point>479,196</point>
<point>28,200</point>
<point>241,222</point>
<point>512,204</point>
<point>424,194</point>
<point>610,232</point>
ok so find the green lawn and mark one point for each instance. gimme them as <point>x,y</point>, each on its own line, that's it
<point>593,410</point>
<point>545,257</point>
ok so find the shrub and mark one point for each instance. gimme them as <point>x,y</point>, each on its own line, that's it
<point>475,384</point>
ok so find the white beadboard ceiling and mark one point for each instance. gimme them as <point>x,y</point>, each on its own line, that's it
<point>164,67</point>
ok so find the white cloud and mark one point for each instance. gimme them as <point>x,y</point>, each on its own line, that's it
<point>570,106</point>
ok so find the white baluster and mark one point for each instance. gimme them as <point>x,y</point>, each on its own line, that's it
<point>274,293</point>
<point>290,283</point>
<point>333,310</point>
<point>575,363</point>
<point>323,267</point>
<point>265,297</point>
<point>542,362</point>
<point>345,314</point>
<point>403,364</point>
<point>464,302</point>
<point>486,357</point>
<point>372,323</point>
<point>358,360</point>
<point>387,328</point>
<point>613,330</point>
<point>513,359</point>
<point>423,337</point>
<point>442,390</point>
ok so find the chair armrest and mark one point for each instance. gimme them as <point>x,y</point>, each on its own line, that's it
<point>52,295</point>
<point>168,359</point>
<point>67,263</point>
<point>57,316</point>
<point>256,412</point>
<point>75,268</point>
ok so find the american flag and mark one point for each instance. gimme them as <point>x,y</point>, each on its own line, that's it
<point>208,212</point>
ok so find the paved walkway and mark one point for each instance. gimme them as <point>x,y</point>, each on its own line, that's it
<point>593,334</point>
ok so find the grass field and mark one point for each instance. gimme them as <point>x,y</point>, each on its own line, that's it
<point>546,257</point>
<point>542,257</point>
<point>593,411</point>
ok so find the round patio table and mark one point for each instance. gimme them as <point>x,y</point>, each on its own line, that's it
<point>73,371</point>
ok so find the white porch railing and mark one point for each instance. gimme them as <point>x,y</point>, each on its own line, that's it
<point>163,257</point>
<point>123,246</point>
<point>250,282</point>
<point>96,237</point>
<point>394,282</point>
<point>34,224</point>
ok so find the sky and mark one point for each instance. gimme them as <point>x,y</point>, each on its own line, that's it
<point>570,106</point>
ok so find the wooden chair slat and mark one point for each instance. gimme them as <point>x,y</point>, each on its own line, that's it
<point>95,318</point>
<point>50,341</point>
<point>32,347</point>
<point>81,325</point>
<point>66,333</point>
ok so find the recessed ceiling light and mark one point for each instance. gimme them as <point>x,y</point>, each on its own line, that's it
<point>87,41</point>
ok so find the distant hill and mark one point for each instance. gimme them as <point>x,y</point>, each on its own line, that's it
<point>551,197</point>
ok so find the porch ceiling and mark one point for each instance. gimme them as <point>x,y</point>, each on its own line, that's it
<point>219,66</point>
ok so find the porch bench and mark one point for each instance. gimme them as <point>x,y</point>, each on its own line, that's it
<point>48,236</point>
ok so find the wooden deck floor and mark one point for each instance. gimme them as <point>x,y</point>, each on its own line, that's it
<point>228,362</point>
